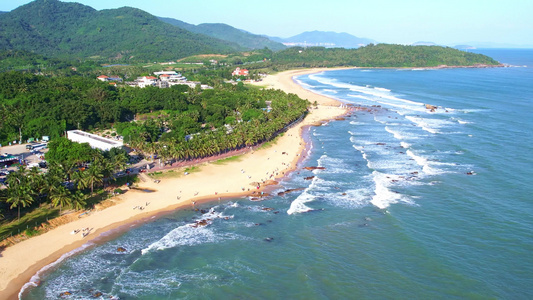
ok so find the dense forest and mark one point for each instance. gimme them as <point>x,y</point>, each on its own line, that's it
<point>228,33</point>
<point>33,106</point>
<point>176,124</point>
<point>76,31</point>
<point>381,55</point>
<point>74,171</point>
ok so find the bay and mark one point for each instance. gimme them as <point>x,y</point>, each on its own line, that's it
<point>411,204</point>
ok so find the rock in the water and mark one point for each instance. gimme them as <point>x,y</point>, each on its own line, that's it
<point>200,223</point>
<point>121,249</point>
<point>290,191</point>
<point>314,168</point>
<point>309,178</point>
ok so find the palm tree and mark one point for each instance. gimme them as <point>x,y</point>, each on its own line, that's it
<point>37,182</point>
<point>19,196</point>
<point>79,177</point>
<point>119,162</point>
<point>78,200</point>
<point>60,196</point>
<point>93,176</point>
<point>19,191</point>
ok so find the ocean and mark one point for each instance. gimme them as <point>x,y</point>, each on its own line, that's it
<point>411,204</point>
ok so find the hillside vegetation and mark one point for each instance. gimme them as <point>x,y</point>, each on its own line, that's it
<point>72,30</point>
<point>228,33</point>
<point>381,55</point>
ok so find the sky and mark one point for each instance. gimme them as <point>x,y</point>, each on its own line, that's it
<point>445,22</point>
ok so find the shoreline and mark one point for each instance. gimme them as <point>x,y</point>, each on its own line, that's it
<point>21,262</point>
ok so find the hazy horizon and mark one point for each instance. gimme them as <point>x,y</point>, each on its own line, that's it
<point>450,22</point>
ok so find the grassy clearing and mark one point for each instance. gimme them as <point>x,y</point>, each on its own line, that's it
<point>165,174</point>
<point>226,160</point>
<point>271,143</point>
<point>28,221</point>
<point>255,86</point>
<point>173,173</point>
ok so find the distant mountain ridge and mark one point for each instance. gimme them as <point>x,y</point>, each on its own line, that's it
<point>423,43</point>
<point>228,33</point>
<point>327,39</point>
<point>73,30</point>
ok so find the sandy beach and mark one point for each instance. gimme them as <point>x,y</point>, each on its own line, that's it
<point>234,178</point>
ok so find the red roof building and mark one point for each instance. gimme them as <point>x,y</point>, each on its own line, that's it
<point>240,72</point>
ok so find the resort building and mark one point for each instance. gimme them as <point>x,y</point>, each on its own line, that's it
<point>94,140</point>
<point>107,78</point>
<point>146,81</point>
<point>240,72</point>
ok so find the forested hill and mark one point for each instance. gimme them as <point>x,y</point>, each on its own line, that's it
<point>73,30</point>
<point>228,33</point>
<point>381,55</point>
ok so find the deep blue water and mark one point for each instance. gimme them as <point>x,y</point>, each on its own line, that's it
<point>395,214</point>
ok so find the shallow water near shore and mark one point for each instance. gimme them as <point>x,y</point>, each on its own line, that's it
<point>410,204</point>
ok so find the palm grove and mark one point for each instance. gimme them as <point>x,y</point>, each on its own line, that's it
<point>177,124</point>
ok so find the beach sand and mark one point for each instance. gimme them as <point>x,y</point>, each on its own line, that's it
<point>18,263</point>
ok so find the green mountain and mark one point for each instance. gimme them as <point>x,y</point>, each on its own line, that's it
<point>228,33</point>
<point>73,30</point>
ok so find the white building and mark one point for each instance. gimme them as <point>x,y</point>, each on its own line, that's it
<point>94,140</point>
<point>166,73</point>
<point>146,81</point>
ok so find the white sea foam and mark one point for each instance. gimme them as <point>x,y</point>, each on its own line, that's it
<point>424,163</point>
<point>397,135</point>
<point>303,84</point>
<point>185,235</point>
<point>420,122</point>
<point>35,279</point>
<point>298,205</point>
<point>471,110</point>
<point>405,145</point>
<point>353,198</point>
<point>381,89</point>
<point>361,97</point>
<point>383,196</point>
<point>190,234</point>
<point>358,148</point>
<point>330,91</point>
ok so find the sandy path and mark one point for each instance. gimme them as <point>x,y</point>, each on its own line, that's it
<point>20,262</point>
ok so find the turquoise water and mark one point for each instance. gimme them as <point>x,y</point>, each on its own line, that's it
<point>394,215</point>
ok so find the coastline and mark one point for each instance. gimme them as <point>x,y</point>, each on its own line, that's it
<point>20,262</point>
